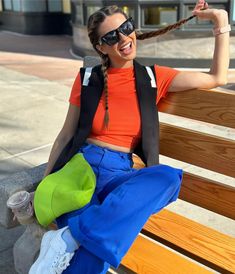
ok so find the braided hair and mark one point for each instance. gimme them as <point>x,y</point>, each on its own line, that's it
<point>94,22</point>
<point>154,33</point>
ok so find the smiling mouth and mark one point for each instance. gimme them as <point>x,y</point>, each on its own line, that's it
<point>126,47</point>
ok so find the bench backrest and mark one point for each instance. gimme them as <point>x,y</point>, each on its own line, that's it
<point>202,149</point>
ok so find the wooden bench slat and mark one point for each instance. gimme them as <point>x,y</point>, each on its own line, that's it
<point>208,246</point>
<point>146,257</point>
<point>208,194</point>
<point>204,150</point>
<point>204,105</point>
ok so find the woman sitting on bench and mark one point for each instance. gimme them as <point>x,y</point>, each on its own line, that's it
<point>118,100</point>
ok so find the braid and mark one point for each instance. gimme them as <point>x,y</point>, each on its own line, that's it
<point>93,26</point>
<point>105,65</point>
<point>150,34</point>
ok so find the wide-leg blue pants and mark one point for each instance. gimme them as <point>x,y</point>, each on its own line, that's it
<point>123,201</point>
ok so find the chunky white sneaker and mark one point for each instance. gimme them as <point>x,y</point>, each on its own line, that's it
<point>53,258</point>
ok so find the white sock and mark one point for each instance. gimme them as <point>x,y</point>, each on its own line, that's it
<point>71,243</point>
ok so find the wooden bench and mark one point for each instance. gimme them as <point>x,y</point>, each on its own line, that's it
<point>169,242</point>
<point>182,235</point>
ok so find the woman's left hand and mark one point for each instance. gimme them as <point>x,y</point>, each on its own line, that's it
<point>218,16</point>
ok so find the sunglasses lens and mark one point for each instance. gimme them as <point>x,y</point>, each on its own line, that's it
<point>127,27</point>
<point>111,38</point>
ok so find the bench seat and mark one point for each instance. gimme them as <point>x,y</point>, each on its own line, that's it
<point>147,257</point>
<point>199,242</point>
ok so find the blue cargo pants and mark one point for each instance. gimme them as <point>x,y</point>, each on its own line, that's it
<point>123,201</point>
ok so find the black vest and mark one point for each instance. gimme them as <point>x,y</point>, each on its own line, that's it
<point>148,148</point>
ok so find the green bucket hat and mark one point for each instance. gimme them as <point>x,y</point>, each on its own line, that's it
<point>65,190</point>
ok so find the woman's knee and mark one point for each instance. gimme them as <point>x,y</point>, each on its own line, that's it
<point>166,175</point>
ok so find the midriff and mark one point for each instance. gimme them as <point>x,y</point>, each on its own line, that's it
<point>107,145</point>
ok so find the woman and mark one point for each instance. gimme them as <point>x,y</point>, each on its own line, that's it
<point>93,238</point>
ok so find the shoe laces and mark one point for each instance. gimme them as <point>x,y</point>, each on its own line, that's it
<point>61,262</point>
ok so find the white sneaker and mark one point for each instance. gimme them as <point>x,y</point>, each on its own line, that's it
<point>53,258</point>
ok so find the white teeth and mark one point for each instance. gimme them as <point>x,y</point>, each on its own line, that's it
<point>126,46</point>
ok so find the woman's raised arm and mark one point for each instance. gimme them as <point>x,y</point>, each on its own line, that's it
<point>217,75</point>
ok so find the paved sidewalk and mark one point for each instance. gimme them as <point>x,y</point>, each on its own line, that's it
<point>34,93</point>
<point>34,101</point>
<point>43,45</point>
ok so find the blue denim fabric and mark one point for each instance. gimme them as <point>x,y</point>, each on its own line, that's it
<point>123,201</point>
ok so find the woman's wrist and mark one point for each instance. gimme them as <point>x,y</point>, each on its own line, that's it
<point>220,19</point>
<point>218,31</point>
<point>221,23</point>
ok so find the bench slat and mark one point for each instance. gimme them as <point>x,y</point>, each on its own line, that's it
<point>208,194</point>
<point>204,105</point>
<point>146,257</point>
<point>202,243</point>
<point>204,150</point>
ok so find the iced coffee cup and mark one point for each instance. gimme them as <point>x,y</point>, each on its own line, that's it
<point>22,206</point>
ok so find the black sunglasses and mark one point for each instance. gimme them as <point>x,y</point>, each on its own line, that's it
<point>112,37</point>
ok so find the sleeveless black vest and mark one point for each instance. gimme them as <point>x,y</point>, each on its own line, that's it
<point>148,148</point>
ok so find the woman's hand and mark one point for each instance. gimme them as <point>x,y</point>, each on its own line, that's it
<point>218,16</point>
<point>201,5</point>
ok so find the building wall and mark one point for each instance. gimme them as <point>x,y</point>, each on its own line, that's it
<point>66,6</point>
<point>233,12</point>
<point>151,13</point>
<point>36,16</point>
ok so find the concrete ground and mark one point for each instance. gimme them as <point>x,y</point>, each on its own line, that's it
<point>34,91</point>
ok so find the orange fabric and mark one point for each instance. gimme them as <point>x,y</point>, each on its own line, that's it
<point>124,116</point>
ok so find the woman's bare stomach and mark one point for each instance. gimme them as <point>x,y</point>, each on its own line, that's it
<point>107,145</point>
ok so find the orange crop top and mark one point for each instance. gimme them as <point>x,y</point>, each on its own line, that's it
<point>124,116</point>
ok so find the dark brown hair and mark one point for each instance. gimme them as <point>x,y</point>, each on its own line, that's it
<point>94,22</point>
